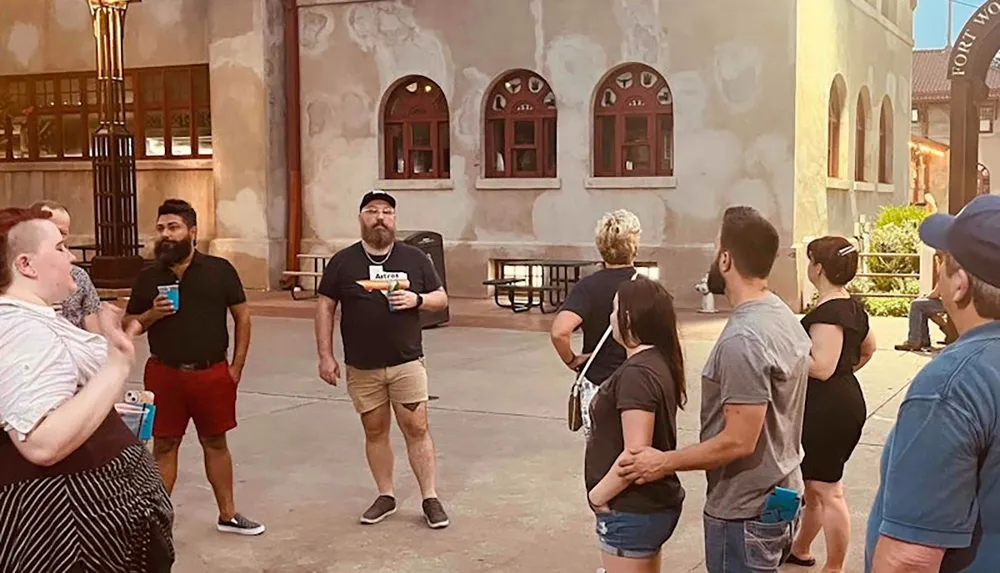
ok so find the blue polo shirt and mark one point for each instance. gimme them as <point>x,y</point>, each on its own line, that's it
<point>941,463</point>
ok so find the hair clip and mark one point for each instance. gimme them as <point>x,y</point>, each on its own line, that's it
<point>847,250</point>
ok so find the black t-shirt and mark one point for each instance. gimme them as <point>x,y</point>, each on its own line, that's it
<point>591,299</point>
<point>198,331</point>
<point>849,314</point>
<point>375,336</point>
<point>644,383</point>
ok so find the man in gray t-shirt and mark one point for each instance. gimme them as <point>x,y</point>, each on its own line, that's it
<point>762,358</point>
<point>753,402</point>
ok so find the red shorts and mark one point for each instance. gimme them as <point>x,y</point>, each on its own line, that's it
<point>208,396</point>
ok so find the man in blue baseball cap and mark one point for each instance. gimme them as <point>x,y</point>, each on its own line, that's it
<point>938,506</point>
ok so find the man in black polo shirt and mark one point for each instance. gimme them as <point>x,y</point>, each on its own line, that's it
<point>383,347</point>
<point>188,369</point>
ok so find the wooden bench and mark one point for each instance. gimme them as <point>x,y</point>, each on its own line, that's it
<point>512,287</point>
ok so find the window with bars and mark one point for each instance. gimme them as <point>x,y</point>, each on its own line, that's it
<point>987,114</point>
<point>634,124</point>
<point>52,116</point>
<point>521,127</point>
<point>415,120</point>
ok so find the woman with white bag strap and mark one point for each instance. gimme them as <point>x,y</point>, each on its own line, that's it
<point>589,307</point>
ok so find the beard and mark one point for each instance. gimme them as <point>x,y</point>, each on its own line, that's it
<point>378,235</point>
<point>172,252</point>
<point>716,282</point>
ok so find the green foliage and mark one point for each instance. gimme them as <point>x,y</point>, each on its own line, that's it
<point>898,307</point>
<point>893,215</point>
<point>896,231</point>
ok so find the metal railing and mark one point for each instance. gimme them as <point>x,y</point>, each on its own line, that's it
<point>865,273</point>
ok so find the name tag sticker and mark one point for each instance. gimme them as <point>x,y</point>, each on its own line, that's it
<point>388,276</point>
<point>374,271</point>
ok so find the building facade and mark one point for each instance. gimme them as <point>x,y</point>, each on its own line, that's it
<point>509,127</point>
<point>931,120</point>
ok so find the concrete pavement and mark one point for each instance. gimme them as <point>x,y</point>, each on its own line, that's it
<point>510,473</point>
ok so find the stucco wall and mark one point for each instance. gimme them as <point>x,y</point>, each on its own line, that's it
<point>878,57</point>
<point>730,67</point>
<point>852,43</point>
<point>38,36</point>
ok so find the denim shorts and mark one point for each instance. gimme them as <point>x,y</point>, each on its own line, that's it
<point>635,535</point>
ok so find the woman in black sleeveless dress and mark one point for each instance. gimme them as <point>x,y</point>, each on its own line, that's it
<point>835,405</point>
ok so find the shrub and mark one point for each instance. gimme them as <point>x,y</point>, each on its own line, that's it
<point>895,231</point>
<point>899,214</point>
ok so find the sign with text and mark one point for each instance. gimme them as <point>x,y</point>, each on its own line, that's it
<point>982,21</point>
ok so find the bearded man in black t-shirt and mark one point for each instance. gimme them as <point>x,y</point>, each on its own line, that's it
<point>380,285</point>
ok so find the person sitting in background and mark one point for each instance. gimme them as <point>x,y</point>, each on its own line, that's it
<point>923,309</point>
<point>81,307</point>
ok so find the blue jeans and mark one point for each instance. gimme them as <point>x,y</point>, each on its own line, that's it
<point>745,546</point>
<point>921,310</point>
<point>635,535</point>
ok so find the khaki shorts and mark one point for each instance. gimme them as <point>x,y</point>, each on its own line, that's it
<point>402,384</point>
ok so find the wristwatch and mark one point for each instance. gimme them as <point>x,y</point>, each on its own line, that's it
<point>420,300</point>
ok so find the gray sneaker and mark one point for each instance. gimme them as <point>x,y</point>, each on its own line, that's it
<point>240,526</point>
<point>434,513</point>
<point>384,506</point>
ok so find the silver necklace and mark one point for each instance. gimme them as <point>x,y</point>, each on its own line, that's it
<point>373,261</point>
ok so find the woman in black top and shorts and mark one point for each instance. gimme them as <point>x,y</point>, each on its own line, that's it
<point>589,305</point>
<point>835,406</point>
<point>637,407</point>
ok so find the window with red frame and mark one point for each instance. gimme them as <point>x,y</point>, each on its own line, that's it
<point>634,124</point>
<point>415,119</point>
<point>521,127</point>
<point>52,116</point>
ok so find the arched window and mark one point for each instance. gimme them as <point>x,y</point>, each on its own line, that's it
<point>860,139</point>
<point>521,127</point>
<point>415,119</point>
<point>885,142</point>
<point>634,124</point>
<point>835,112</point>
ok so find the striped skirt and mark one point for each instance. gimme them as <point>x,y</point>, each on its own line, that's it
<point>116,518</point>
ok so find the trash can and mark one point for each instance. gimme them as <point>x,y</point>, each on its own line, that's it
<point>432,244</point>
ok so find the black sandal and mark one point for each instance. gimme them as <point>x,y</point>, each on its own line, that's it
<point>800,562</point>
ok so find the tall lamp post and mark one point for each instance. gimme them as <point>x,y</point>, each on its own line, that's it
<point>117,261</point>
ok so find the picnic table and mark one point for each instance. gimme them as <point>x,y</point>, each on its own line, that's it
<point>557,280</point>
<point>319,262</point>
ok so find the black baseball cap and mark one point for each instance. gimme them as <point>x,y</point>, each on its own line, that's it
<point>972,237</point>
<point>377,195</point>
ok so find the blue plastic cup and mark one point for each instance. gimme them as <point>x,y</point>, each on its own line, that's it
<point>173,293</point>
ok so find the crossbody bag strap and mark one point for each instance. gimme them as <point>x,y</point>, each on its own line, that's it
<point>600,344</point>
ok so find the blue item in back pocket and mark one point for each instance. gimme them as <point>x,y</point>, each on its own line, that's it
<point>146,429</point>
<point>782,504</point>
